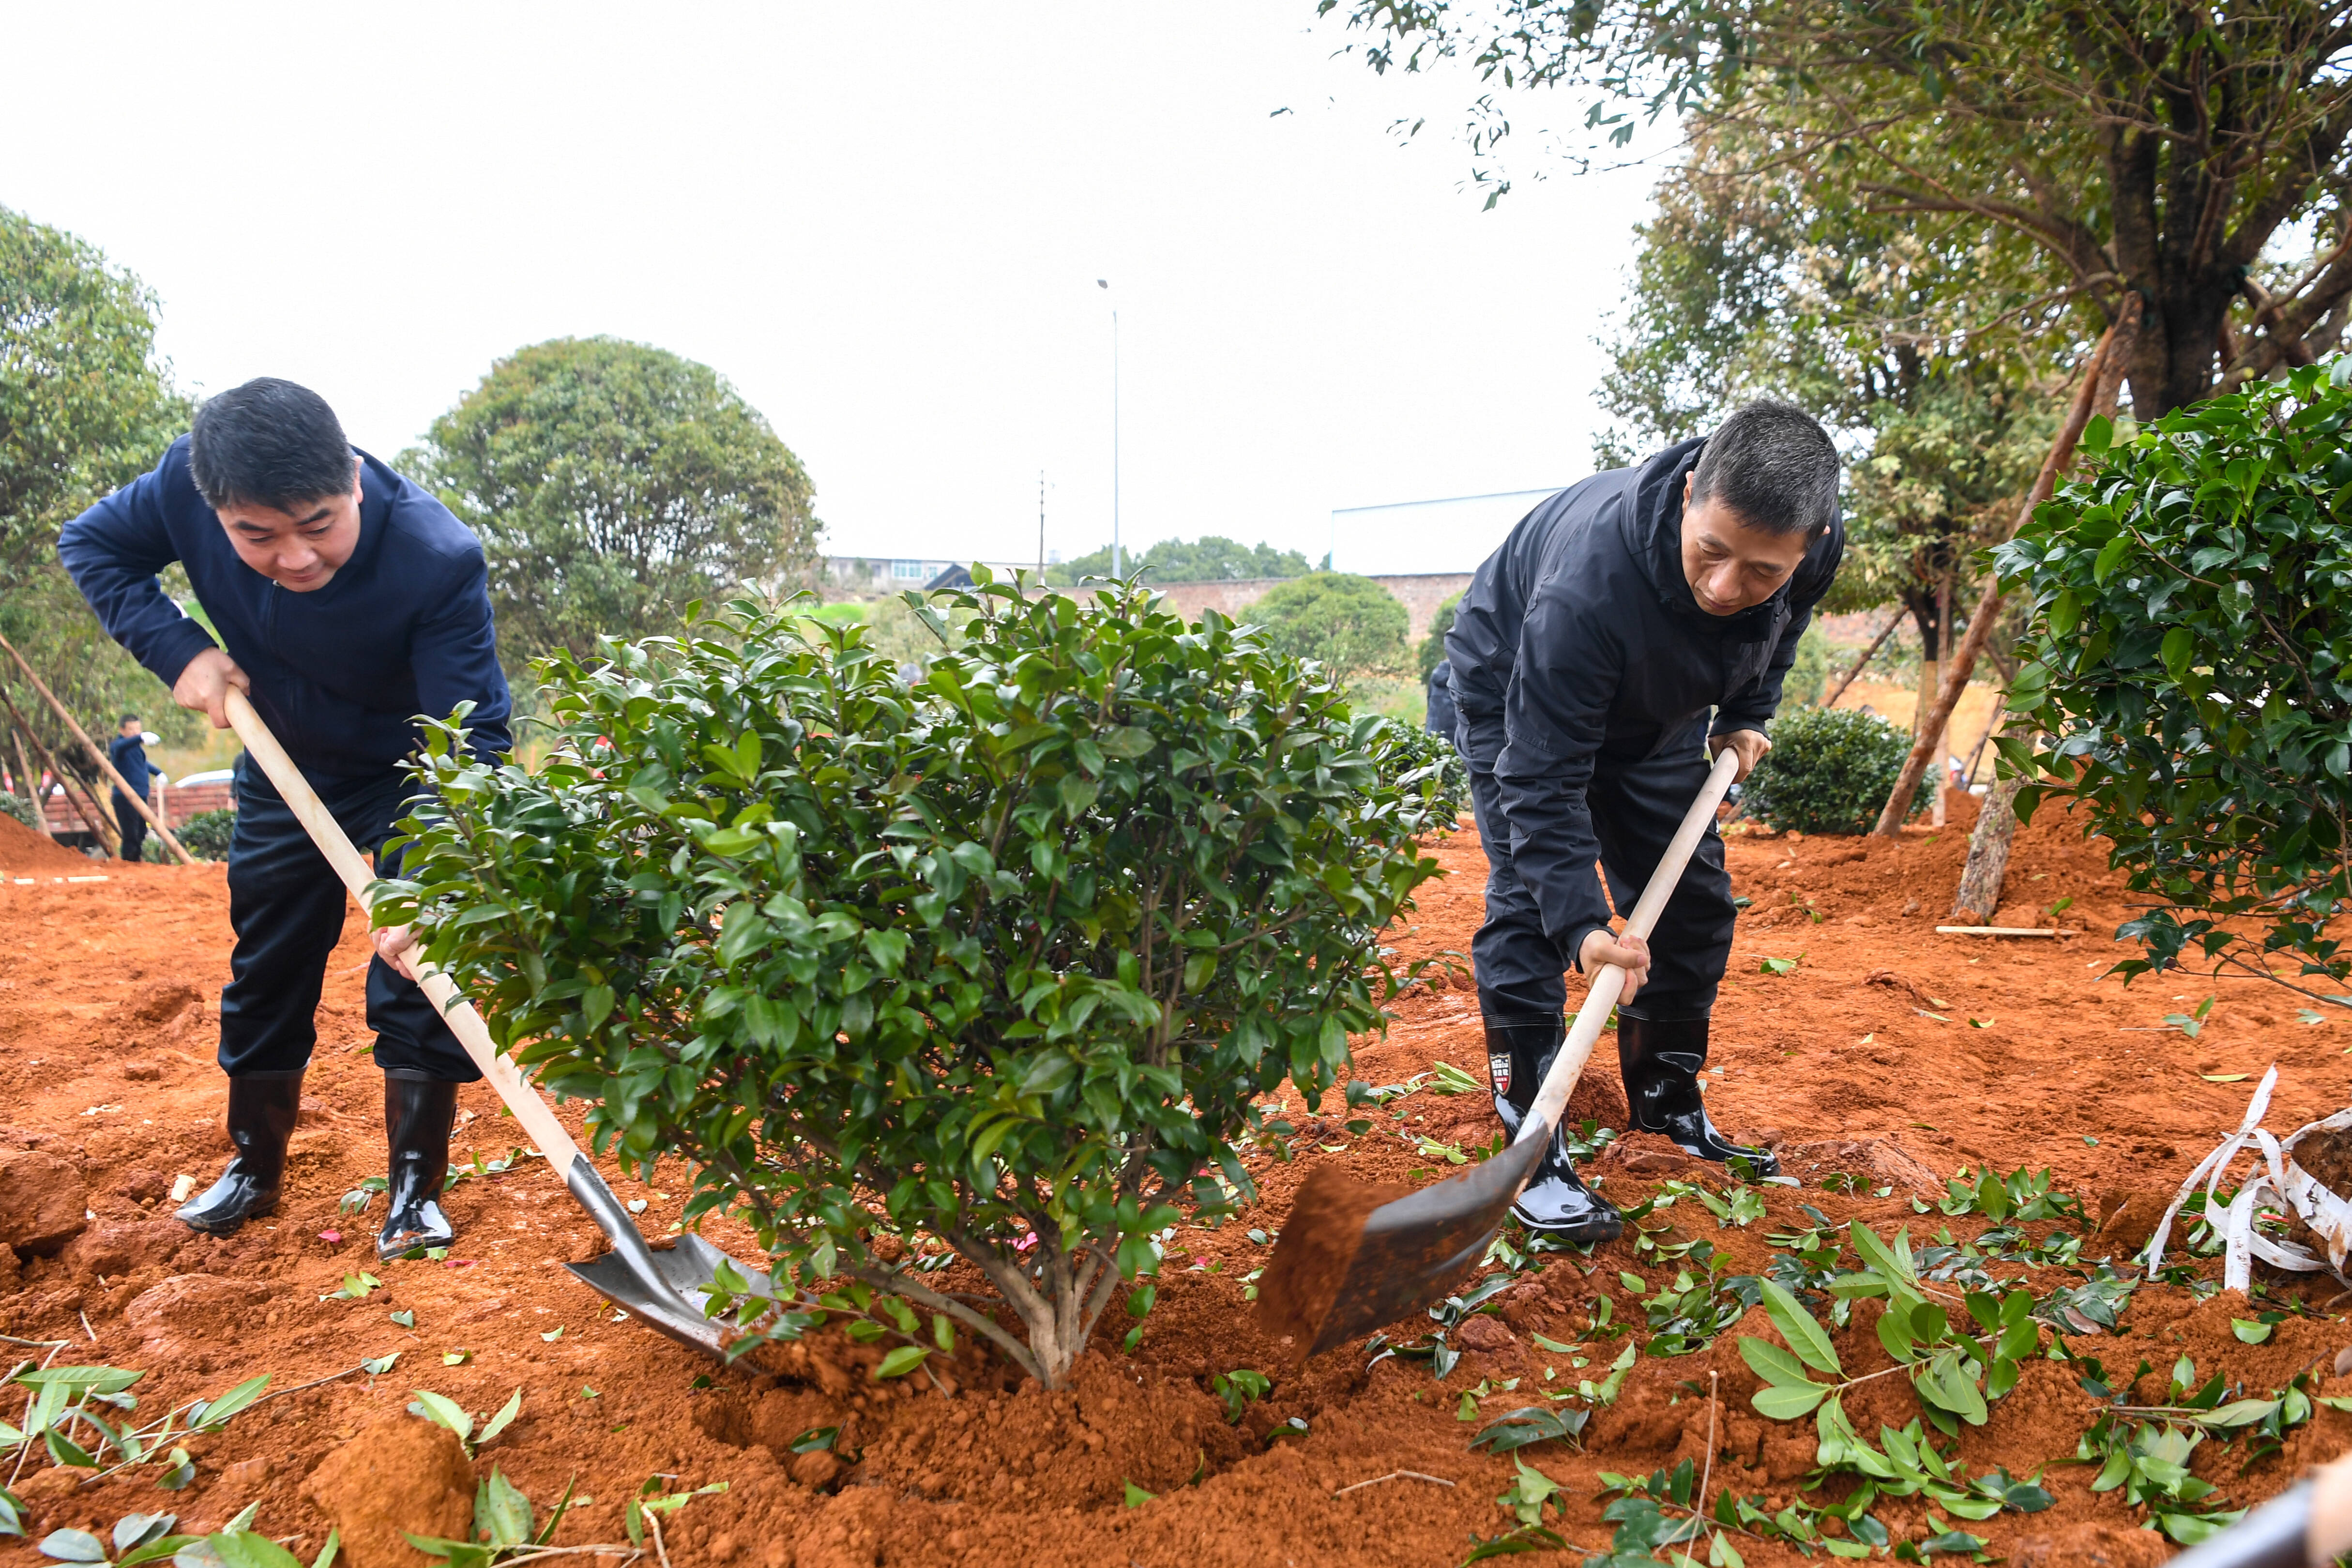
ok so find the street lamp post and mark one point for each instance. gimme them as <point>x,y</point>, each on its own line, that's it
<point>1117,568</point>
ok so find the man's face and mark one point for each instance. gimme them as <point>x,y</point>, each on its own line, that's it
<point>300,550</point>
<point>1729,565</point>
<point>128,727</point>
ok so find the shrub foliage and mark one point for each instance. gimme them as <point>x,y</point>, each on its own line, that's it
<point>1008,956</point>
<point>1828,771</point>
<point>206,835</point>
<point>2189,664</point>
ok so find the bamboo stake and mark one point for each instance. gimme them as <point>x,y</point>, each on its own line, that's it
<point>138,799</point>
<point>1867,655</point>
<point>81,804</point>
<point>2100,383</point>
<point>28,783</point>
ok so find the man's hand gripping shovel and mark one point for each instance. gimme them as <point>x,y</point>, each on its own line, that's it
<point>665,1291</point>
<point>1347,1263</point>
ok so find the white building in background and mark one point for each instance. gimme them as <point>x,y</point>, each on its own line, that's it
<point>1424,537</point>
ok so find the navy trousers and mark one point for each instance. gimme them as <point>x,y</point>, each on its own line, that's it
<point>286,905</point>
<point>133,827</point>
<point>1637,807</point>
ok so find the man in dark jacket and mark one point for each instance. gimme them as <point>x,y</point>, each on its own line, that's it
<point>351,601</point>
<point>1586,657</point>
<point>128,753</point>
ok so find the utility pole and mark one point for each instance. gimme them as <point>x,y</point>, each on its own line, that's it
<point>1118,568</point>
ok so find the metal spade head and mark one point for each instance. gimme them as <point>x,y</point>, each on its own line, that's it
<point>1340,1272</point>
<point>665,1291</point>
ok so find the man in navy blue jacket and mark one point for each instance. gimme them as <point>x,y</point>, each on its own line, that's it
<point>128,753</point>
<point>350,601</point>
<point>1586,658</point>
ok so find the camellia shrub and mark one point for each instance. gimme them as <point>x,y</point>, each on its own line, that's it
<point>1007,957</point>
<point>2189,668</point>
<point>1417,757</point>
<point>1830,770</point>
<point>206,835</point>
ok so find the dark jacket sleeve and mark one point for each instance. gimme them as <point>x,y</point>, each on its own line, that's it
<point>1556,712</point>
<point>113,551</point>
<point>456,657</point>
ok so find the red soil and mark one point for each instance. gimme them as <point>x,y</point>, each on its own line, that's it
<point>108,1018</point>
<point>25,853</point>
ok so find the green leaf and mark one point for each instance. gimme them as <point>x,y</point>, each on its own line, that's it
<point>2111,555</point>
<point>443,1412</point>
<point>902,1360</point>
<point>73,1546</point>
<point>1797,1327</point>
<point>504,1512</point>
<point>1770,1363</point>
<point>216,1412</point>
<point>1783,1403</point>
<point>1136,1496</point>
<point>2251,1333</point>
<point>499,1423</point>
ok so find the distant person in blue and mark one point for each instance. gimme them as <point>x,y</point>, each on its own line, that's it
<point>1441,716</point>
<point>350,601</point>
<point>128,753</point>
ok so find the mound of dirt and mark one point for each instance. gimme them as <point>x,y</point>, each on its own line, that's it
<point>23,851</point>
<point>399,1474</point>
<point>43,1202</point>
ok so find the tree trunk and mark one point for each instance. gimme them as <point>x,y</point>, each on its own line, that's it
<point>1929,687</point>
<point>29,783</point>
<point>2101,379</point>
<point>97,821</point>
<point>1892,621</point>
<point>1987,865</point>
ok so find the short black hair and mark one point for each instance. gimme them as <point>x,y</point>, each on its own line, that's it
<point>1773,466</point>
<point>268,443</point>
<point>126,719</point>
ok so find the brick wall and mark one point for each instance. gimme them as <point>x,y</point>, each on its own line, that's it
<point>179,805</point>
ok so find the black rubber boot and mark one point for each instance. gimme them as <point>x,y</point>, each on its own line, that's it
<point>262,1109</point>
<point>1661,1060</point>
<point>417,1114</point>
<point>1555,1202</point>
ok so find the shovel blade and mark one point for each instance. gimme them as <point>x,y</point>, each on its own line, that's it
<point>1400,1258</point>
<point>670,1299</point>
<point>665,1291</point>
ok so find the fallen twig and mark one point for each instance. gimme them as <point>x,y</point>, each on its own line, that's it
<point>1395,1475</point>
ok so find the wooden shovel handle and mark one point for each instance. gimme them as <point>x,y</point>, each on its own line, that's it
<point>536,1119</point>
<point>1567,1065</point>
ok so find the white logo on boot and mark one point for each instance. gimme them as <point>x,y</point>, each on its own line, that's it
<point>1498,1067</point>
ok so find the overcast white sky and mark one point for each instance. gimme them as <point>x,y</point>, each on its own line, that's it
<point>884,225</point>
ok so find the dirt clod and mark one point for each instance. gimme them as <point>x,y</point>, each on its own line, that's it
<point>399,1474</point>
<point>42,1201</point>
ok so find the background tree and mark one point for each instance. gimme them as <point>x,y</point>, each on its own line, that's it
<point>86,406</point>
<point>1351,624</point>
<point>1432,646</point>
<point>612,483</point>
<point>1212,558</point>
<point>1746,284</point>
<point>2079,150</point>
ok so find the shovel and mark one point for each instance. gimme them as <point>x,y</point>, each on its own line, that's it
<point>665,1290</point>
<point>1347,1263</point>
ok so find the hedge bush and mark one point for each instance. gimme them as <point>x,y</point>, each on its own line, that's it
<point>2189,659</point>
<point>1008,957</point>
<point>1828,771</point>
<point>206,834</point>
